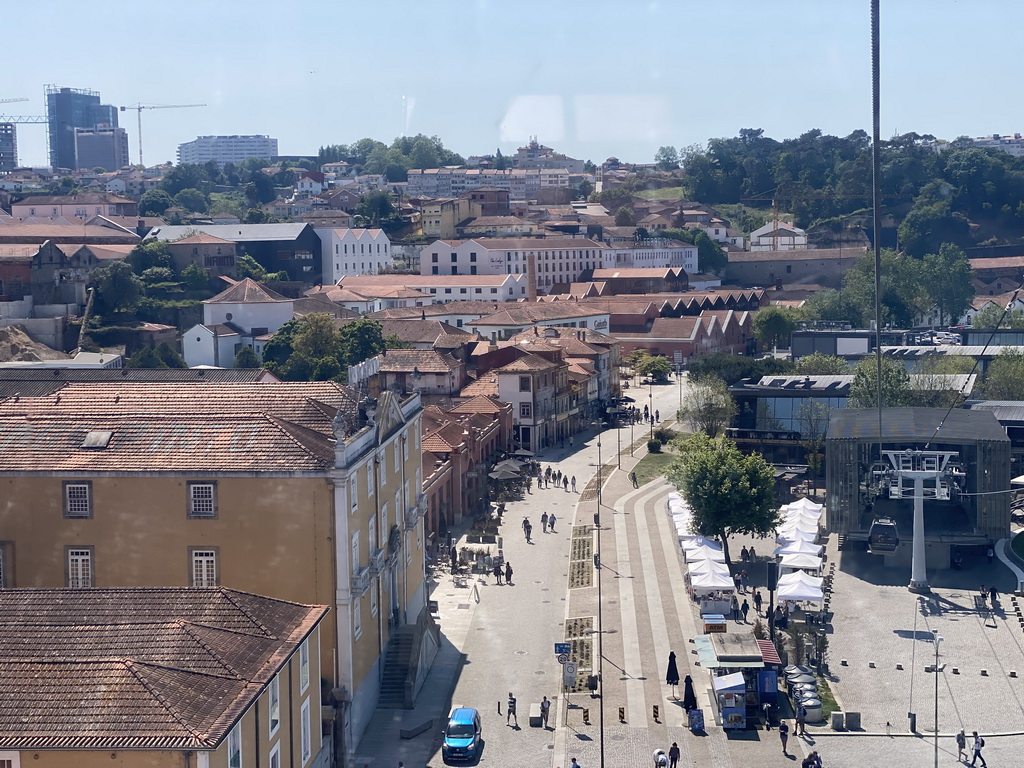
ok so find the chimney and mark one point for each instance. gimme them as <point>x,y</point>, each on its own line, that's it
<point>531,276</point>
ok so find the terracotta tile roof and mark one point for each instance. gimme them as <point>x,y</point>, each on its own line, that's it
<point>479,404</point>
<point>487,386</point>
<point>247,291</point>
<point>202,238</point>
<point>238,427</point>
<point>426,360</point>
<point>177,665</point>
<point>807,254</point>
<point>528,314</point>
<point>527,363</point>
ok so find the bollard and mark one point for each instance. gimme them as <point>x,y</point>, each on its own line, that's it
<point>586,717</point>
<point>843,663</point>
<point>984,673</point>
<point>622,714</point>
<point>956,670</point>
<point>871,665</point>
<point>655,713</point>
<point>899,666</point>
<point>1013,673</point>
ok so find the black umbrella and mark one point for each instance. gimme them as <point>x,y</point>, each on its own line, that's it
<point>689,697</point>
<point>672,676</point>
<point>504,474</point>
<point>512,464</point>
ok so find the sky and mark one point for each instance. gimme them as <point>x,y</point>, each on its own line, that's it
<point>592,78</point>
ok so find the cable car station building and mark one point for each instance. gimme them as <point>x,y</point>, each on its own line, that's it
<point>975,514</point>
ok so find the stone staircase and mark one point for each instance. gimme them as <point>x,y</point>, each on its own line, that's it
<point>401,661</point>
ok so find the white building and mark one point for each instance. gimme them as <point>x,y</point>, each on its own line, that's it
<point>656,253</point>
<point>553,260</point>
<point>231,320</point>
<point>1012,144</point>
<point>778,236</point>
<point>226,149</point>
<point>444,289</point>
<point>522,184</point>
<point>347,251</point>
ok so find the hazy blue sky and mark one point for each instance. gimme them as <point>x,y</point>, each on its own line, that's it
<point>591,78</point>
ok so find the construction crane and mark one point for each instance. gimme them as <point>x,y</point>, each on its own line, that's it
<point>138,109</point>
<point>11,101</point>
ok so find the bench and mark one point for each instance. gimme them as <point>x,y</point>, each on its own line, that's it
<point>535,721</point>
<point>412,733</point>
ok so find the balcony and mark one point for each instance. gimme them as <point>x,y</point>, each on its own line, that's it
<point>412,517</point>
<point>360,581</point>
<point>377,558</point>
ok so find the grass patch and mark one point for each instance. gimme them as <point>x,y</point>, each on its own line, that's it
<point>653,465</point>
<point>665,193</point>
<point>828,701</point>
<point>1017,545</point>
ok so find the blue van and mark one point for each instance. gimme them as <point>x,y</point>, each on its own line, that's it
<point>462,735</point>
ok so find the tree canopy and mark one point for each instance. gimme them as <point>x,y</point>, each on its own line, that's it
<point>822,365</point>
<point>707,406</point>
<point>774,325</point>
<point>1005,377</point>
<point>732,368</point>
<point>728,491</point>
<point>895,384</point>
<point>119,288</point>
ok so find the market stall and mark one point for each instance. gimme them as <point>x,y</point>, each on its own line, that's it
<point>731,698</point>
<point>744,674</point>
<point>799,547</point>
<point>800,561</point>
<point>800,587</point>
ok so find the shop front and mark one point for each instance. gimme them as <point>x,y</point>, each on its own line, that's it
<point>744,675</point>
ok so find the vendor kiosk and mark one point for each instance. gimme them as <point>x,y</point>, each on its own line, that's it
<point>731,697</point>
<point>744,674</point>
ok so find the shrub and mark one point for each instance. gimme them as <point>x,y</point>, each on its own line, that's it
<point>665,435</point>
<point>654,446</point>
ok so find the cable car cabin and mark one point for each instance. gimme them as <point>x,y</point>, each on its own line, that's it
<point>883,536</point>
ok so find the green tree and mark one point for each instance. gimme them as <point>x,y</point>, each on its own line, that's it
<point>710,256</point>
<point>822,365</point>
<point>666,158</point>
<point>155,275</point>
<point>279,348</point>
<point>624,217</point>
<point>376,207</point>
<point>318,338</point>
<point>707,406</point>
<point>1004,379</point>
<point>119,288</point>
<point>895,384</point>
<point>903,288</point>
<point>932,387</point>
<point>247,266</point>
<point>395,342</point>
<point>655,366</point>
<point>154,202</point>
<point>169,357</point>
<point>192,200</point>
<point>360,340</point>
<point>774,325</point>
<point>948,282</point>
<point>145,357</point>
<point>326,369</point>
<point>150,253</point>
<point>829,305</point>
<point>732,368</point>
<point>186,176</point>
<point>255,216</point>
<point>729,492</point>
<point>246,358</point>
<point>195,277</point>
<point>992,316</point>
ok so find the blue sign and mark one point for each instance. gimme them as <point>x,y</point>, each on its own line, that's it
<point>563,648</point>
<point>696,717</point>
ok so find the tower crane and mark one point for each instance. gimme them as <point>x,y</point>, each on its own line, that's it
<point>11,101</point>
<point>138,109</point>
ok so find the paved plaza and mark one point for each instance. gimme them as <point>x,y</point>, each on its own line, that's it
<point>498,639</point>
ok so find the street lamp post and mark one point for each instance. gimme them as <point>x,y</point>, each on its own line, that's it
<point>600,613</point>
<point>936,669</point>
<point>650,397</point>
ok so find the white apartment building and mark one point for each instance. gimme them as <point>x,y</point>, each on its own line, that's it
<point>656,253</point>
<point>1012,144</point>
<point>454,182</point>
<point>353,252</point>
<point>444,289</point>
<point>556,260</point>
<point>226,149</point>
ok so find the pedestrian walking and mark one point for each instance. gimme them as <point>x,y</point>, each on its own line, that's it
<point>961,745</point>
<point>508,573</point>
<point>784,736</point>
<point>632,479</point>
<point>990,554</point>
<point>743,609</point>
<point>801,720</point>
<point>510,710</point>
<point>526,522</point>
<point>565,483</point>
<point>735,609</point>
<point>558,477</point>
<point>984,594</point>
<point>751,555</point>
<point>551,522</point>
<point>657,415</point>
<point>497,573</point>
<point>570,442</point>
<point>544,523</point>
<point>545,711</point>
<point>573,482</point>
<point>673,755</point>
<point>992,592</point>
<point>574,764</point>
<point>979,743</point>
<point>744,581</point>
<point>757,602</point>
<point>529,531</point>
<point>660,759</point>
<point>529,485</point>
<point>736,580</point>
<point>743,555</point>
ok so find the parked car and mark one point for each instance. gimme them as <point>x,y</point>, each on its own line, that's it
<point>462,736</point>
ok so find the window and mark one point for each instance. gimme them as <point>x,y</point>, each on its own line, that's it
<point>433,271</point>
<point>275,756</point>
<point>78,499</point>
<point>274,709</point>
<point>304,730</point>
<point>80,567</point>
<point>433,258</point>
<point>370,485</point>
<point>524,383</point>
<point>455,257</point>
<point>472,257</point>
<point>204,567</point>
<point>355,551</point>
<point>357,617</point>
<point>304,666</point>
<point>398,459</point>
<point>202,499</point>
<point>383,470</point>
<point>524,410</point>
<point>472,270</point>
<point>235,747</point>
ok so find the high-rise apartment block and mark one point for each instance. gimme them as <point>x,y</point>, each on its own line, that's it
<point>226,149</point>
<point>101,147</point>
<point>8,147</point>
<point>68,109</point>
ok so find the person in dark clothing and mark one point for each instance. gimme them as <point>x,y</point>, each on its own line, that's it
<point>497,573</point>
<point>673,755</point>
<point>508,573</point>
<point>632,479</point>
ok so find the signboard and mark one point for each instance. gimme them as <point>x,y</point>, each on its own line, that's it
<point>563,648</point>
<point>714,624</point>
<point>569,670</point>
<point>696,719</point>
<point>563,658</point>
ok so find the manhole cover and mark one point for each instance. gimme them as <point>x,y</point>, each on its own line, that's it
<point>545,601</point>
<point>463,606</point>
<point>521,653</point>
<point>546,589</point>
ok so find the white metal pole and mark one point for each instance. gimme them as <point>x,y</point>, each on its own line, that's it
<point>918,572</point>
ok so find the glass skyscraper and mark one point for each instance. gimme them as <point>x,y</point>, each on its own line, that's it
<point>68,109</point>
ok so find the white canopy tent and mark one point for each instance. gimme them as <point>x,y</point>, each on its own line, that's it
<point>804,519</point>
<point>801,561</point>
<point>703,583</point>
<point>799,547</point>
<point>806,505</point>
<point>708,566</point>
<point>800,586</point>
<point>703,553</point>
<point>795,532</point>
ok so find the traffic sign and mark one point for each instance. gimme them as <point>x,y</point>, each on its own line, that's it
<point>563,648</point>
<point>569,674</point>
<point>563,658</point>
